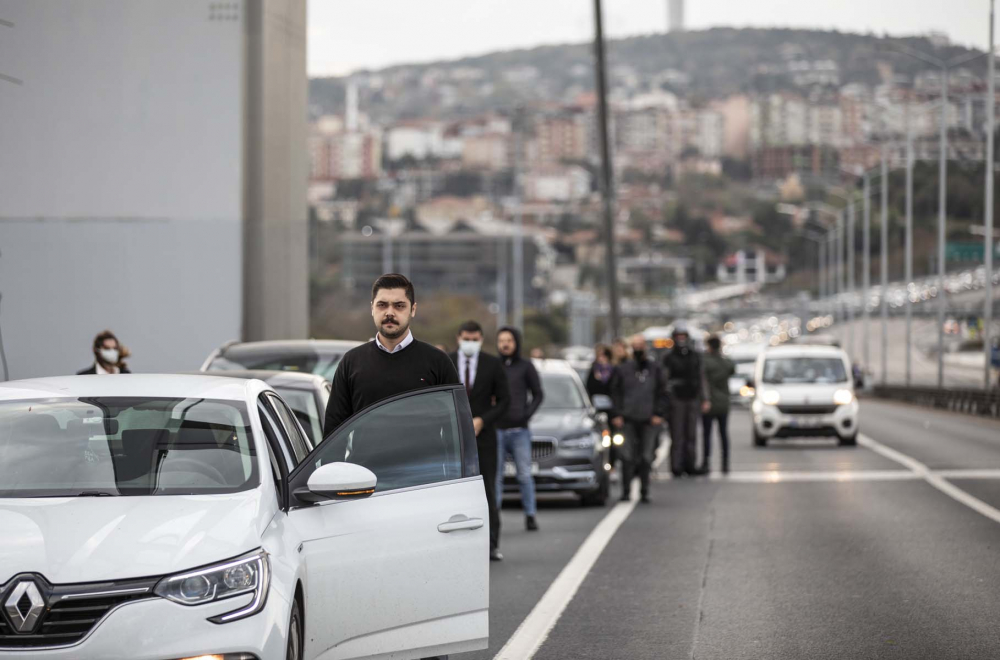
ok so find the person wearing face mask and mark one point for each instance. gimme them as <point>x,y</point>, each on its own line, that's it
<point>489,397</point>
<point>639,395</point>
<point>108,356</point>
<point>688,392</point>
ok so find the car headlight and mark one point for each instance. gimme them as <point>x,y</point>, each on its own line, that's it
<point>606,440</point>
<point>619,439</point>
<point>843,397</point>
<point>585,441</point>
<point>248,574</point>
<point>770,397</point>
<point>746,391</point>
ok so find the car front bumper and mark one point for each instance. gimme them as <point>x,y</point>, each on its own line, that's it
<point>584,474</point>
<point>771,422</point>
<point>159,629</point>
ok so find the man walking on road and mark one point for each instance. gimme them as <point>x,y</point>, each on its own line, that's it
<point>718,370</point>
<point>639,394</point>
<point>688,399</point>
<point>392,363</point>
<point>513,434</point>
<point>489,397</point>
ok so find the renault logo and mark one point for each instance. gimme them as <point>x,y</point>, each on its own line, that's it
<point>24,605</point>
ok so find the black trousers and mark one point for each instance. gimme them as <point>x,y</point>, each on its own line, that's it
<point>684,415</point>
<point>487,446</point>
<point>706,427</point>
<point>637,453</point>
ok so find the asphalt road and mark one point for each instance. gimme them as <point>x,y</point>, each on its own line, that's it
<point>807,550</point>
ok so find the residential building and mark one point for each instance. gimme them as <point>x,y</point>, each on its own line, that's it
<point>566,135</point>
<point>556,184</point>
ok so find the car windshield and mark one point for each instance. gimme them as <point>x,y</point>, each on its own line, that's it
<point>303,404</point>
<point>804,370</point>
<point>110,446</point>
<point>561,391</point>
<point>309,362</point>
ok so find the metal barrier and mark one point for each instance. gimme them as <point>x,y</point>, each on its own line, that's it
<point>969,401</point>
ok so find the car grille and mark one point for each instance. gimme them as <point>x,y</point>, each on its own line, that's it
<point>802,409</point>
<point>71,611</point>
<point>542,448</point>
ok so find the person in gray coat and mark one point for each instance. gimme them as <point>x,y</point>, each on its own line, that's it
<point>688,392</point>
<point>639,394</point>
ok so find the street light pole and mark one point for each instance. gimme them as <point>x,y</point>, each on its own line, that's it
<point>850,277</point>
<point>866,268</point>
<point>942,211</point>
<point>988,229</point>
<point>607,190</point>
<point>884,259</point>
<point>908,275</point>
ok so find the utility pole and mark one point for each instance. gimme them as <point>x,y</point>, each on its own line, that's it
<point>908,275</point>
<point>607,175</point>
<point>942,211</point>
<point>850,277</point>
<point>884,259</point>
<point>866,275</point>
<point>518,259</point>
<point>988,229</point>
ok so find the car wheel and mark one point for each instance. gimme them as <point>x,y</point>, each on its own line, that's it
<point>849,441</point>
<point>295,636</point>
<point>598,497</point>
<point>759,440</point>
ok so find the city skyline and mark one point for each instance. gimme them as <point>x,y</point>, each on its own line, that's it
<point>345,38</point>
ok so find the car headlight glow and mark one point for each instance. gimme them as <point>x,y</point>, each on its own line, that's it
<point>770,397</point>
<point>619,439</point>
<point>746,391</point>
<point>585,441</point>
<point>606,440</point>
<point>843,397</point>
<point>248,574</point>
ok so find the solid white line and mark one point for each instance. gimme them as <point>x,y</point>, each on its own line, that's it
<point>535,628</point>
<point>933,478</point>
<point>781,476</point>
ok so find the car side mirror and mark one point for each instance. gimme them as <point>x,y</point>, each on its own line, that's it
<point>338,481</point>
<point>602,402</point>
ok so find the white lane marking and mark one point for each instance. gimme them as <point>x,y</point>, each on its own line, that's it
<point>535,628</point>
<point>932,477</point>
<point>780,476</point>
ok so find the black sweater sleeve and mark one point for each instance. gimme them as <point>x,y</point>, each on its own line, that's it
<point>340,407</point>
<point>535,387</point>
<point>501,392</point>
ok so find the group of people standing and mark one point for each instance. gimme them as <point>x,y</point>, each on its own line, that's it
<point>685,389</point>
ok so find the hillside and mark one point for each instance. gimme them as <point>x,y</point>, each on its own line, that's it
<point>697,65</point>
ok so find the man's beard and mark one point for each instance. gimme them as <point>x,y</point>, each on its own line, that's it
<point>401,328</point>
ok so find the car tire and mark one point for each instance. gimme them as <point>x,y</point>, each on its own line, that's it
<point>849,441</point>
<point>295,633</point>
<point>759,440</point>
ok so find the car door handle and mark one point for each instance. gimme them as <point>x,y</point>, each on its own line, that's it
<point>460,522</point>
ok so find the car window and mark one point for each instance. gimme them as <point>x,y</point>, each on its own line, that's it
<point>125,446</point>
<point>804,370</point>
<point>406,442</point>
<point>303,405</point>
<point>561,391</point>
<point>309,362</point>
<point>275,436</point>
<point>296,441</point>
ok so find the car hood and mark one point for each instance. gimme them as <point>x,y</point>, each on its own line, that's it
<point>557,423</point>
<point>798,394</point>
<point>91,539</point>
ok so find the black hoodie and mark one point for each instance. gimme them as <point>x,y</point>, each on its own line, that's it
<point>523,380</point>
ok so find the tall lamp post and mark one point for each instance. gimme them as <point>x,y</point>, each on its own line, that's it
<point>607,187</point>
<point>988,220</point>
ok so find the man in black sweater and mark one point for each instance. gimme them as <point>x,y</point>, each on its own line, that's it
<point>513,434</point>
<point>393,363</point>
<point>486,384</point>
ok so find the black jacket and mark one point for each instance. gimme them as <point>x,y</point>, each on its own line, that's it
<point>597,386</point>
<point>685,375</point>
<point>639,390</point>
<point>523,380</point>
<point>92,370</point>
<point>490,396</point>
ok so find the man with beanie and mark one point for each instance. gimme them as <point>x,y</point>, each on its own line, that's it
<point>688,399</point>
<point>513,434</point>
<point>639,394</point>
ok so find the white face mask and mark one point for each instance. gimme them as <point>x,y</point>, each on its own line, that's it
<point>469,347</point>
<point>109,355</point>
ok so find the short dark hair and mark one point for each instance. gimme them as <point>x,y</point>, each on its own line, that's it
<point>714,343</point>
<point>470,326</point>
<point>394,281</point>
<point>103,337</point>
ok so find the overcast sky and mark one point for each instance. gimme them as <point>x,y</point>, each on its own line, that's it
<point>346,35</point>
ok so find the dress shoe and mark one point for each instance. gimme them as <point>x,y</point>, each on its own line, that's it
<point>495,555</point>
<point>531,524</point>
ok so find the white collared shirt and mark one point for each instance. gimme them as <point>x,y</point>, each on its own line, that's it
<point>473,362</point>
<point>98,369</point>
<point>407,340</point>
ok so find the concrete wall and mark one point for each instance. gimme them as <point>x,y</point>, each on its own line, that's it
<point>124,168</point>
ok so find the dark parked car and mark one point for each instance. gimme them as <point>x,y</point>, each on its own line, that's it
<point>305,394</point>
<point>570,444</point>
<point>310,356</point>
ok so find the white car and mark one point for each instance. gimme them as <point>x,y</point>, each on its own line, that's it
<point>173,517</point>
<point>803,390</point>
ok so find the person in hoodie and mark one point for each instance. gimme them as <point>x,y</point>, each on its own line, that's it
<point>513,434</point>
<point>688,391</point>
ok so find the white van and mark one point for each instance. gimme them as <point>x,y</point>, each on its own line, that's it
<point>804,390</point>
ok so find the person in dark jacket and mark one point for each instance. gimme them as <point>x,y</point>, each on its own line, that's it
<point>513,434</point>
<point>639,394</point>
<point>688,399</point>
<point>109,356</point>
<point>718,370</point>
<point>599,377</point>
<point>485,382</point>
<point>392,363</point>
